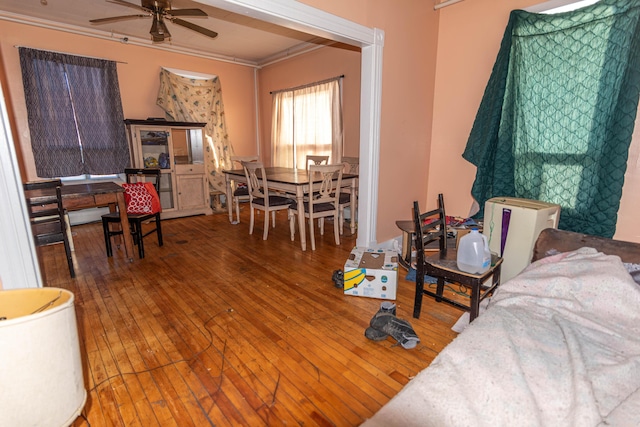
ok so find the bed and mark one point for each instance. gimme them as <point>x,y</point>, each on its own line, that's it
<point>559,345</point>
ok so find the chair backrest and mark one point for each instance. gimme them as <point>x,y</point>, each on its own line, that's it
<point>256,181</point>
<point>315,160</point>
<point>351,164</point>
<point>240,159</point>
<point>430,226</point>
<point>144,175</point>
<point>328,189</point>
<point>46,213</point>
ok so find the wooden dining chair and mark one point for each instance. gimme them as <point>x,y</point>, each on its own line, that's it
<point>431,226</point>
<point>315,160</point>
<point>47,216</point>
<point>351,166</point>
<point>324,202</point>
<point>260,198</point>
<point>140,211</point>
<point>240,189</point>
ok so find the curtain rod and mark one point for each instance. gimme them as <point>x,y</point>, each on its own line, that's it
<point>445,4</point>
<point>308,84</point>
<point>72,54</point>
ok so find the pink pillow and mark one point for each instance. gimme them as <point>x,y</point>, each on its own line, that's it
<point>141,198</point>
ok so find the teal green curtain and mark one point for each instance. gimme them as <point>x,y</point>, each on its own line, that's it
<point>556,118</point>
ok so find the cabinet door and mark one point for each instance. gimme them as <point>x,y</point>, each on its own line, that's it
<point>192,191</point>
<point>155,146</point>
<point>177,149</point>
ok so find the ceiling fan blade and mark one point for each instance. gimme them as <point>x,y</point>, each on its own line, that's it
<point>186,12</point>
<point>126,3</point>
<point>117,18</point>
<point>195,27</point>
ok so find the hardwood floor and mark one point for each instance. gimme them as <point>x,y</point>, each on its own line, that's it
<point>221,328</point>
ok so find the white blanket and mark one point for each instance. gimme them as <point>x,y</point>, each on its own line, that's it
<point>559,345</point>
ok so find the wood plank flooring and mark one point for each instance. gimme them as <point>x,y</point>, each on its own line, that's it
<point>220,328</point>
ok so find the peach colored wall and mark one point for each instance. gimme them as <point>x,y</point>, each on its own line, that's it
<point>408,77</point>
<point>314,66</point>
<point>137,75</point>
<point>467,49</point>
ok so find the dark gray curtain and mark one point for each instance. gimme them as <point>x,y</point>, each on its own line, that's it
<point>75,114</point>
<point>558,113</point>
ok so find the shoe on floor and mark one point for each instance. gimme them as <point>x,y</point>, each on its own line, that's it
<point>338,278</point>
<point>374,334</point>
<point>399,329</point>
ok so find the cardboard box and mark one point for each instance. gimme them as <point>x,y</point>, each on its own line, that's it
<point>371,273</point>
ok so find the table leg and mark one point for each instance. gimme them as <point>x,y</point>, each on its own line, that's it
<point>229,197</point>
<point>124,221</point>
<point>301,219</point>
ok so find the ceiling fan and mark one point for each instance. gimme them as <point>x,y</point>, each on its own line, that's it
<point>160,10</point>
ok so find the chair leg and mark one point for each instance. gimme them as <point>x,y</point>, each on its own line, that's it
<point>265,233</point>
<point>107,238</point>
<point>312,236</point>
<point>336,229</point>
<point>439,289</point>
<point>137,232</point>
<point>159,230</point>
<point>292,225</point>
<point>341,220</point>
<point>69,234</point>
<point>237,203</point>
<point>273,219</point>
<point>67,249</point>
<point>251,219</point>
<point>417,303</point>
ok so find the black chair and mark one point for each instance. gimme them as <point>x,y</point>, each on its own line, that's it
<point>432,226</point>
<point>136,221</point>
<point>47,216</point>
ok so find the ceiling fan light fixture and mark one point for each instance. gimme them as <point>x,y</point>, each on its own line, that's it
<point>159,31</point>
<point>159,10</point>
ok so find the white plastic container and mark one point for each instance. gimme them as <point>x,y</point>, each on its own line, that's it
<point>474,255</point>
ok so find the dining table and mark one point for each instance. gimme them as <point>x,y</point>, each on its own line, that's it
<point>295,182</point>
<point>93,195</point>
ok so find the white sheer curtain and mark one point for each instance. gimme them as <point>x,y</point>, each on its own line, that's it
<point>307,120</point>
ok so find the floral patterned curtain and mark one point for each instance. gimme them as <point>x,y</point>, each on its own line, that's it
<point>199,100</point>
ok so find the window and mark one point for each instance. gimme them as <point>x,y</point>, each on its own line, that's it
<point>75,114</point>
<point>307,120</point>
<point>558,114</point>
<point>560,6</point>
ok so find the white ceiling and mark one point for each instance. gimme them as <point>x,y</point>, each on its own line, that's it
<point>240,38</point>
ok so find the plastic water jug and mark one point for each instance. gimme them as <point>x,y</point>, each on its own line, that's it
<point>474,255</point>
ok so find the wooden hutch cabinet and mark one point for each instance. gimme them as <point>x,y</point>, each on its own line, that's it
<point>177,148</point>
